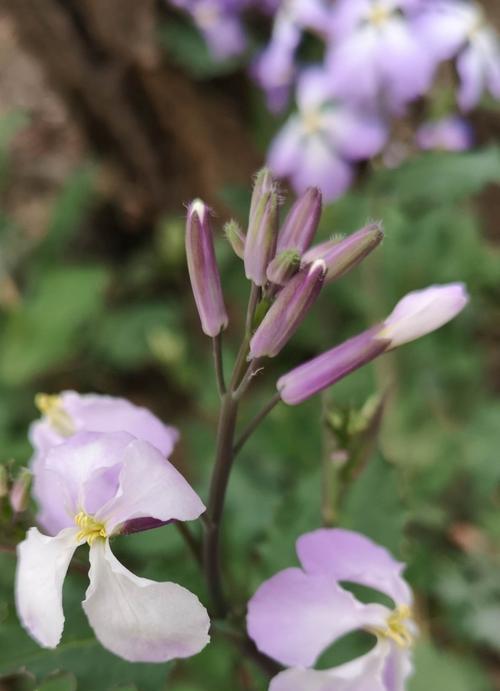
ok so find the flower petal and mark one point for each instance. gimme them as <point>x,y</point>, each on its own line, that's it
<point>349,556</point>
<point>41,569</point>
<point>138,619</point>
<point>365,673</point>
<point>149,486</point>
<point>294,616</point>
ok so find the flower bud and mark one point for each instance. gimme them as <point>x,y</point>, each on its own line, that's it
<point>236,237</point>
<point>417,314</point>
<point>20,491</point>
<point>260,244</point>
<point>423,311</point>
<point>288,311</point>
<point>302,222</point>
<point>340,256</point>
<point>203,271</point>
<point>283,267</point>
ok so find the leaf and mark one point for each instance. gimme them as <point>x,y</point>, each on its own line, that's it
<point>438,669</point>
<point>43,332</point>
<point>62,681</point>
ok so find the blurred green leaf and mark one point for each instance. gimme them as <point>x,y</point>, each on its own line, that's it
<point>62,681</point>
<point>44,331</point>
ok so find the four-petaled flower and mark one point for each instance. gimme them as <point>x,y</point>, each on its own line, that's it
<point>103,485</point>
<point>299,612</point>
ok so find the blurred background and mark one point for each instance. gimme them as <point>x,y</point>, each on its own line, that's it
<point>113,115</point>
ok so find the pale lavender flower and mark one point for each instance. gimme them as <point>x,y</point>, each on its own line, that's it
<point>100,482</point>
<point>459,29</point>
<point>69,412</point>
<point>220,24</point>
<point>416,315</point>
<point>298,613</point>
<point>317,145</point>
<point>375,55</point>
<point>275,69</point>
<point>203,271</point>
<point>262,235</point>
<point>301,223</point>
<point>447,134</point>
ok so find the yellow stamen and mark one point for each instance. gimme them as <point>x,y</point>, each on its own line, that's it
<point>312,121</point>
<point>91,529</point>
<point>51,406</point>
<point>379,14</point>
<point>396,628</point>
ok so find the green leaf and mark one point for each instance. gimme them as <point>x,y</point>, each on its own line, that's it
<point>62,681</point>
<point>44,331</point>
<point>438,669</point>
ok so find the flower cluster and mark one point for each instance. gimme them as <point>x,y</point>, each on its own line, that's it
<point>378,57</point>
<point>99,470</point>
<point>299,612</point>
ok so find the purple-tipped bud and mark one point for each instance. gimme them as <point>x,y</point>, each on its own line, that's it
<point>260,243</point>
<point>340,256</point>
<point>326,369</point>
<point>20,491</point>
<point>416,315</point>
<point>236,237</point>
<point>283,267</point>
<point>288,311</point>
<point>302,222</point>
<point>203,271</point>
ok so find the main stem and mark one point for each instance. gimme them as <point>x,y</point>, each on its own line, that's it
<point>215,506</point>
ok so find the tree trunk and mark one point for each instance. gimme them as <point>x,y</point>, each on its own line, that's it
<point>165,138</point>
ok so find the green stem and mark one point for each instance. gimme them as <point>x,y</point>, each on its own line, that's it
<point>254,423</point>
<point>215,505</point>
<point>219,367</point>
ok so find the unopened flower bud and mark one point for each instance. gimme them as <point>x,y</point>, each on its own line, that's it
<point>20,491</point>
<point>203,271</point>
<point>340,256</point>
<point>260,243</point>
<point>301,223</point>
<point>235,237</point>
<point>417,314</point>
<point>288,311</point>
<point>283,267</point>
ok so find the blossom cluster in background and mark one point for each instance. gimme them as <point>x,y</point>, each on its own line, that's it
<point>377,57</point>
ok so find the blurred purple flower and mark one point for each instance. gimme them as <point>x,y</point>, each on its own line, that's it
<point>275,69</point>
<point>449,134</point>
<point>375,56</point>
<point>220,23</point>
<point>459,29</point>
<point>317,145</point>
<point>99,482</point>
<point>298,613</point>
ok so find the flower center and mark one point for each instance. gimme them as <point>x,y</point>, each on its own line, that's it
<point>51,406</point>
<point>90,529</point>
<point>312,121</point>
<point>379,14</point>
<point>396,629</point>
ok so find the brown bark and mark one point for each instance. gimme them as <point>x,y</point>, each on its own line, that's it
<point>165,137</point>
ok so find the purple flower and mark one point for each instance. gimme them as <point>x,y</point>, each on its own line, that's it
<point>448,134</point>
<point>220,23</point>
<point>99,482</point>
<point>317,144</point>
<point>416,315</point>
<point>298,613</point>
<point>459,29</point>
<point>275,69</point>
<point>69,412</point>
<point>376,56</point>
